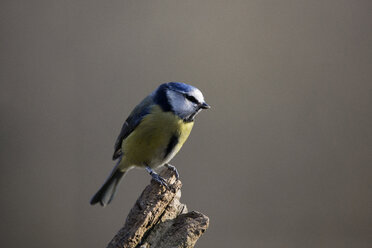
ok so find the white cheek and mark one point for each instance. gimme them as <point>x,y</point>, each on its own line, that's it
<point>179,103</point>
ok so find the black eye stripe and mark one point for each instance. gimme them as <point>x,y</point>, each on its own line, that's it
<point>191,98</point>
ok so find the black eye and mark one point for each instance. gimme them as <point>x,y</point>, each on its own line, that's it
<point>191,98</point>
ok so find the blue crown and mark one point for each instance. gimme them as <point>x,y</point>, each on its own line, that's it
<point>181,87</point>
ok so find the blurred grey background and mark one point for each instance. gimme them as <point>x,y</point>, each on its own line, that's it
<point>283,159</point>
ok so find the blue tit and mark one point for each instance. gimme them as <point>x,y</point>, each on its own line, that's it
<point>153,134</point>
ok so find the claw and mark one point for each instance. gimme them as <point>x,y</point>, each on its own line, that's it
<point>156,177</point>
<point>173,168</point>
<point>159,179</point>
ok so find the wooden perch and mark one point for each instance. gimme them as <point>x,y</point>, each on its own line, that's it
<point>158,219</point>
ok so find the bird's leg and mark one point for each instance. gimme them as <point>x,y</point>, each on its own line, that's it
<point>156,177</point>
<point>173,168</point>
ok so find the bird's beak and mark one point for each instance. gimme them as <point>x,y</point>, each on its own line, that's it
<point>204,105</point>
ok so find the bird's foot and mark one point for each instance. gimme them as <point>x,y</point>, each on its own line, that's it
<point>173,168</point>
<point>156,177</point>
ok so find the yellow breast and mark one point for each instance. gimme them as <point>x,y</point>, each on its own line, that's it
<point>148,143</point>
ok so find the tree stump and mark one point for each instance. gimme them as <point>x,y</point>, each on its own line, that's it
<point>158,219</point>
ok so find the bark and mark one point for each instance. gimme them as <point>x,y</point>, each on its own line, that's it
<point>159,219</point>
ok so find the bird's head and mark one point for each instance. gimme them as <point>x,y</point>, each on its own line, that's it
<point>182,99</point>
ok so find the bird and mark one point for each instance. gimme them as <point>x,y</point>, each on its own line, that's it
<point>153,134</point>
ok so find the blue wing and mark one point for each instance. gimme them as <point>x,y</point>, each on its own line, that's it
<point>140,111</point>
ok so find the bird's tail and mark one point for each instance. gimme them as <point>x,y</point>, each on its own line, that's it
<point>107,192</point>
